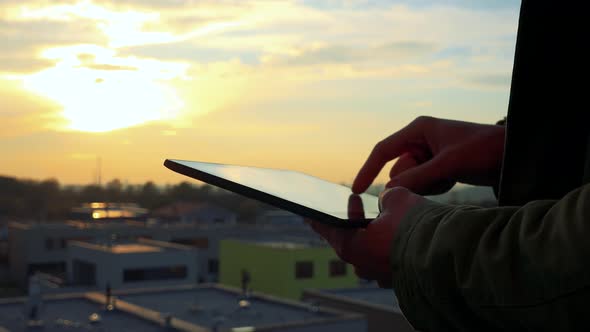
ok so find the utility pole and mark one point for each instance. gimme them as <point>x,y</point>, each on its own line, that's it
<point>99,171</point>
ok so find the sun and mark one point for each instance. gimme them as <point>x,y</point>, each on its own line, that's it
<point>100,92</point>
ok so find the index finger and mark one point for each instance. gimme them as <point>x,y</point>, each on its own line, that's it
<point>356,210</point>
<point>385,151</point>
<point>340,239</point>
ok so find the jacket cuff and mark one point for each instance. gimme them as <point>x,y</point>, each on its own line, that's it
<point>406,285</point>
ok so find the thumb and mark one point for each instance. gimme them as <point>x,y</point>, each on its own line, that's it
<point>428,178</point>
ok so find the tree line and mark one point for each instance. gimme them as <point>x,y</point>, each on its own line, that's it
<point>48,200</point>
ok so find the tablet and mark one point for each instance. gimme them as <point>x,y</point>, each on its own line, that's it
<point>302,194</point>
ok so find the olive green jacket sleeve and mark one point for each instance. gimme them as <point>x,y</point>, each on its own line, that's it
<point>462,268</point>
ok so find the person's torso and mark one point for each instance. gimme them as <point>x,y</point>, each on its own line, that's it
<point>548,126</point>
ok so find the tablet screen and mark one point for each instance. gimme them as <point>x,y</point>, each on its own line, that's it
<point>290,190</point>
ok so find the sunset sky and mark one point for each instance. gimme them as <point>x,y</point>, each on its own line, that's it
<point>305,85</point>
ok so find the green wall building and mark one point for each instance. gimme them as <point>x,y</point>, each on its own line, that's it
<point>282,269</point>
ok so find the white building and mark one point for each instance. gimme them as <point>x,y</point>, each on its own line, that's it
<point>142,263</point>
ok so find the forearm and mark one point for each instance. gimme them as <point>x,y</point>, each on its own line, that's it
<point>465,268</point>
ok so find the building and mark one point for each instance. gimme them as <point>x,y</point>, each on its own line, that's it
<point>77,312</point>
<point>44,247</point>
<point>377,304</point>
<point>279,218</point>
<point>283,269</point>
<point>4,270</point>
<point>182,308</point>
<point>198,213</point>
<point>108,211</point>
<point>140,263</point>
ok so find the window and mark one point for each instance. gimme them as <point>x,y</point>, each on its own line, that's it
<point>199,242</point>
<point>80,239</point>
<point>49,244</point>
<point>155,273</point>
<point>54,268</point>
<point>303,270</point>
<point>84,272</point>
<point>337,268</point>
<point>213,266</point>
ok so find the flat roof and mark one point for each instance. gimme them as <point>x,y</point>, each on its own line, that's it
<point>100,224</point>
<point>369,295</point>
<point>68,225</point>
<point>73,315</point>
<point>141,246</point>
<point>290,243</point>
<point>214,306</point>
<point>133,248</point>
<point>278,213</point>
<point>283,244</point>
<point>77,225</point>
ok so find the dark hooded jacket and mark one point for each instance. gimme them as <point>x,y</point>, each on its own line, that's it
<point>524,265</point>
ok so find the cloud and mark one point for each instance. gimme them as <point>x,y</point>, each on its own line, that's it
<point>243,77</point>
<point>489,80</point>
<point>104,66</point>
<point>365,4</point>
<point>214,54</point>
<point>89,61</point>
<point>469,4</point>
<point>334,54</point>
<point>171,5</point>
<point>183,22</point>
<point>420,104</point>
<point>151,4</point>
<point>19,63</point>
<point>24,40</point>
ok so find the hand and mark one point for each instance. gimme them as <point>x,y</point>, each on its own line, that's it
<point>369,249</point>
<point>434,154</point>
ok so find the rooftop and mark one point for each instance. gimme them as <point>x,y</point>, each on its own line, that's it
<point>111,226</point>
<point>179,209</point>
<point>289,243</point>
<point>366,295</point>
<point>136,247</point>
<point>133,248</point>
<point>75,225</point>
<point>186,308</point>
<point>73,314</point>
<point>279,213</point>
<point>283,245</point>
<point>226,308</point>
